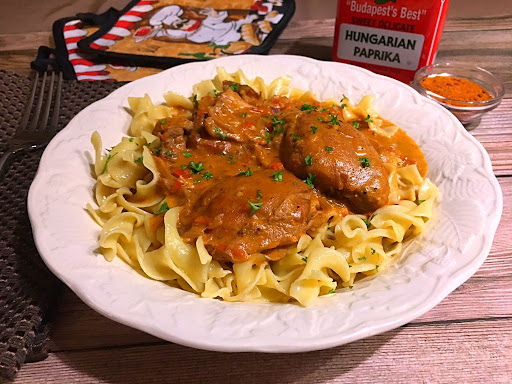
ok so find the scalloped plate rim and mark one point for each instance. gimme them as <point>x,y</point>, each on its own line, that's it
<point>277,347</point>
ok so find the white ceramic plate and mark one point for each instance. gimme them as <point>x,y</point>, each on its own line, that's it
<point>451,249</point>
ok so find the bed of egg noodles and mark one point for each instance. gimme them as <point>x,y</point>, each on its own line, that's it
<point>343,251</point>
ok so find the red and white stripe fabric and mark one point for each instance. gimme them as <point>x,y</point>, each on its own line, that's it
<point>123,26</point>
<point>85,69</point>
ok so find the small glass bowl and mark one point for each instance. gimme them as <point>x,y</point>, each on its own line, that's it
<point>468,112</point>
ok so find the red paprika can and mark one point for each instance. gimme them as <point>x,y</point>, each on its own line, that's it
<point>391,37</point>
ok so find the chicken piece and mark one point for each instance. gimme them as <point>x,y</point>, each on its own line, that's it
<point>171,132</point>
<point>242,215</point>
<point>234,119</point>
<point>339,158</point>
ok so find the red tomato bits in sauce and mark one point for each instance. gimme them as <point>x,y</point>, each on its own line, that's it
<point>391,37</point>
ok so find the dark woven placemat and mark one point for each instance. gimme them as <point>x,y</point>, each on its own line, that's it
<point>28,290</point>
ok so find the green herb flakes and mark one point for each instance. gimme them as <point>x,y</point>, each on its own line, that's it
<point>187,154</point>
<point>219,133</point>
<point>313,128</point>
<point>329,149</point>
<point>308,108</point>
<point>356,124</point>
<point>163,208</point>
<point>110,157</point>
<point>196,167</point>
<point>308,160</point>
<point>245,173</point>
<point>309,180</point>
<point>278,175</point>
<point>365,162</point>
<point>207,175</point>
<point>254,207</point>
<point>139,159</point>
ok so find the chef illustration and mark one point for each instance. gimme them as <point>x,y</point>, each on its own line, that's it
<point>168,23</point>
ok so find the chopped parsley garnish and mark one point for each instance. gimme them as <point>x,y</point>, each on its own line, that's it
<point>313,128</point>
<point>275,121</point>
<point>365,162</point>
<point>308,160</point>
<point>331,291</point>
<point>362,258</point>
<point>373,251</point>
<point>309,180</point>
<point>372,216</point>
<point>305,259</point>
<point>197,181</point>
<point>277,131</point>
<point>194,100</point>
<point>139,159</point>
<point>130,139</point>
<point>350,286</point>
<point>183,166</point>
<point>163,208</point>
<point>377,268</point>
<point>245,173</point>
<point>344,97</point>
<point>187,154</point>
<point>156,151</point>
<point>334,119</point>
<point>235,87</point>
<point>230,159</point>
<point>266,116</point>
<point>367,222</point>
<point>244,114</point>
<point>368,119</point>
<point>308,108</point>
<point>268,137</point>
<point>296,137</point>
<point>219,133</point>
<point>254,207</point>
<point>196,168</point>
<point>162,122</point>
<point>343,105</point>
<point>329,149</point>
<point>110,157</point>
<point>215,93</point>
<point>418,201</point>
<point>356,124</point>
<point>259,195</point>
<point>207,175</point>
<point>169,153</point>
<point>278,175</point>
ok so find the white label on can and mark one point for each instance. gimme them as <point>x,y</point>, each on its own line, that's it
<point>380,46</point>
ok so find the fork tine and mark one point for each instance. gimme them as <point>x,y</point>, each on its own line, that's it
<point>56,106</point>
<point>28,109</point>
<point>46,111</point>
<point>35,117</point>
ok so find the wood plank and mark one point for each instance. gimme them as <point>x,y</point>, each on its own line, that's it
<point>487,295</point>
<point>24,41</point>
<point>469,352</point>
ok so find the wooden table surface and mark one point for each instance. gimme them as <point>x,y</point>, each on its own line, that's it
<point>466,338</point>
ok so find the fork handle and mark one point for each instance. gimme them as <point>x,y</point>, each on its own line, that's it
<point>11,152</point>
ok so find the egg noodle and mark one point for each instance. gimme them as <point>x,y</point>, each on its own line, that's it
<point>341,252</point>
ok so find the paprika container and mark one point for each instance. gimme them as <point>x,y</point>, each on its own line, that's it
<point>391,37</point>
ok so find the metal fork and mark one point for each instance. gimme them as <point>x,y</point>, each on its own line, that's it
<point>38,133</point>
